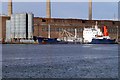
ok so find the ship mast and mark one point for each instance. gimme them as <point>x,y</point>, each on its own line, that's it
<point>48,30</point>
<point>75,33</point>
<point>96,26</point>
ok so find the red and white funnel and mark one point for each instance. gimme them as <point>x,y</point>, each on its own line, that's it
<point>105,31</point>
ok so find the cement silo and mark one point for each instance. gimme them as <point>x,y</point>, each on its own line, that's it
<point>22,25</point>
<point>30,26</point>
<point>17,25</point>
<point>12,26</point>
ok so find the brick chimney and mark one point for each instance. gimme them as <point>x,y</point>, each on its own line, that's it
<point>9,7</point>
<point>90,9</point>
<point>48,9</point>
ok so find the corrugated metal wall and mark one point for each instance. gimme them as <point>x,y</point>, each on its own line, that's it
<point>30,25</point>
<point>12,26</point>
<point>8,31</point>
<point>20,26</point>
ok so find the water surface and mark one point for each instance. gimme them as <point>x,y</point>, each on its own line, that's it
<point>60,61</point>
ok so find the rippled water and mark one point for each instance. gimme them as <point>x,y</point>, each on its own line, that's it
<point>60,61</point>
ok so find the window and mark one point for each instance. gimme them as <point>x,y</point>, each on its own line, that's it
<point>43,20</point>
<point>57,29</point>
<point>83,21</point>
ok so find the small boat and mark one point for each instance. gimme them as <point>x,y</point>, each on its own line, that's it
<point>69,39</point>
<point>103,41</point>
<point>43,40</point>
<point>95,36</point>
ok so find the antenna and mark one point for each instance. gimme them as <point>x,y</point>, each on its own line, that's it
<point>114,16</point>
<point>96,25</point>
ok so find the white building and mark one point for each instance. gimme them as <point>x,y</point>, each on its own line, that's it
<point>20,26</point>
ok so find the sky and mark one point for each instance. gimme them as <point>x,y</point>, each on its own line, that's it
<point>62,0</point>
<point>119,11</point>
<point>101,10</point>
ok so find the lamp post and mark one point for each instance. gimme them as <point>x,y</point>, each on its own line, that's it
<point>117,33</point>
<point>38,29</point>
<point>48,30</point>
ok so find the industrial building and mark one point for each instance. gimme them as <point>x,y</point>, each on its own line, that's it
<point>19,27</point>
<point>38,26</point>
<point>3,19</point>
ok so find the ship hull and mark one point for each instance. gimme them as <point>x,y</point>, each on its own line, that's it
<point>42,40</point>
<point>103,41</point>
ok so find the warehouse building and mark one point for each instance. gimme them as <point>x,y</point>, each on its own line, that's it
<point>57,26</point>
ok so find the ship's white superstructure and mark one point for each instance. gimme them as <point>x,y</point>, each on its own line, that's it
<point>93,33</point>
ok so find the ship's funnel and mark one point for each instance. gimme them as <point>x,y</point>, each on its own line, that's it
<point>105,31</point>
<point>48,9</point>
<point>90,9</point>
<point>9,7</point>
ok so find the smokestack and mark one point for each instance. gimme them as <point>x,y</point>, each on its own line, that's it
<point>9,7</point>
<point>90,9</point>
<point>48,9</point>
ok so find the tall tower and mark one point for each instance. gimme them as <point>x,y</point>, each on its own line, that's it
<point>90,9</point>
<point>9,7</point>
<point>48,9</point>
